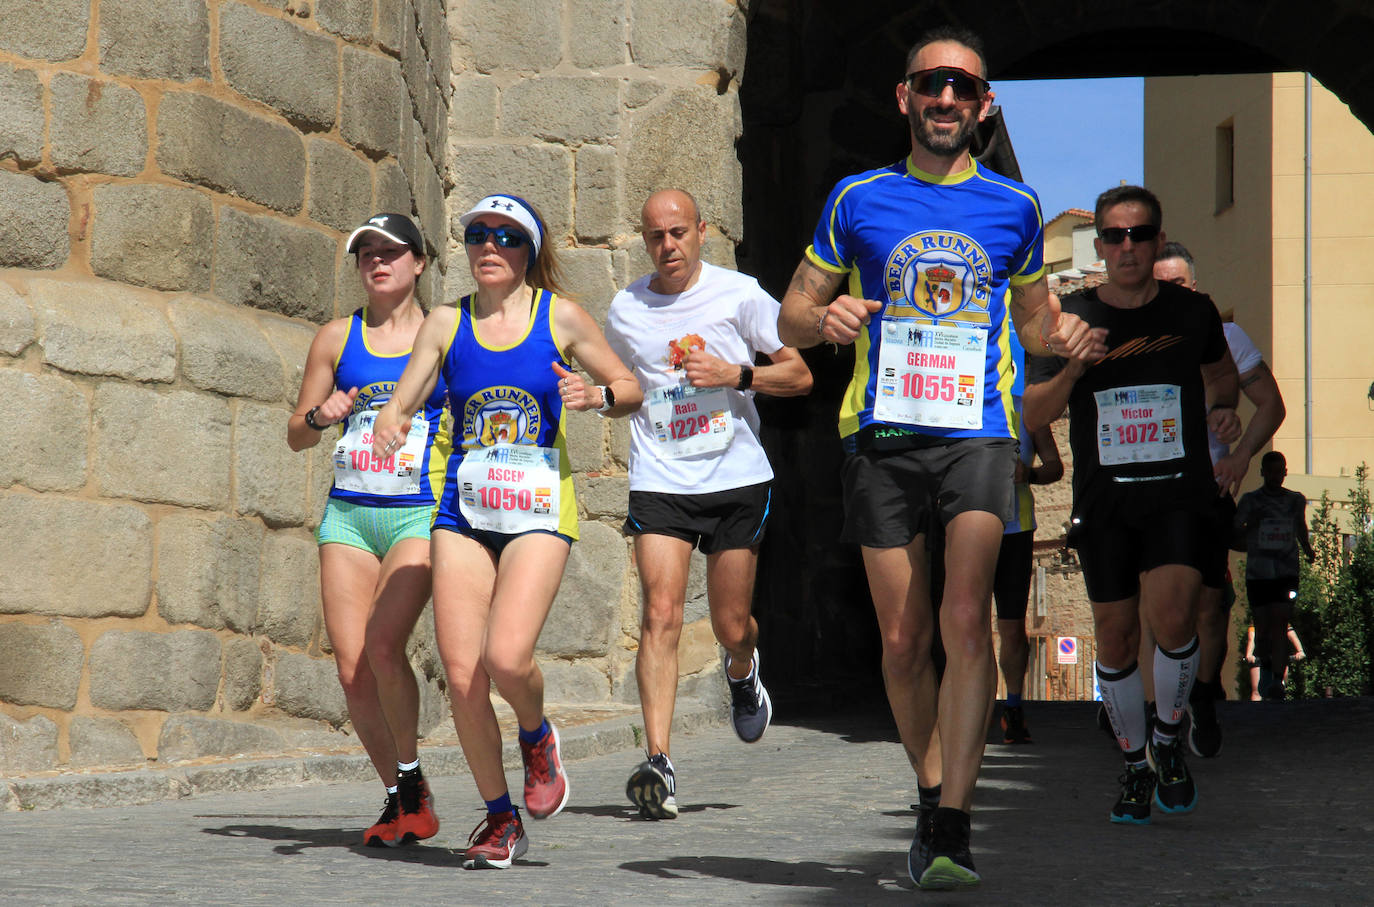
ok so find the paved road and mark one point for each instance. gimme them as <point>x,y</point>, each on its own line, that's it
<point>816,813</point>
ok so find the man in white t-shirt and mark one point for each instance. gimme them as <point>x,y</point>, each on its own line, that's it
<point>1175,265</point>
<point>698,474</point>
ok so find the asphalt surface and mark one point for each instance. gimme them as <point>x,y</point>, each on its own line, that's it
<point>817,812</point>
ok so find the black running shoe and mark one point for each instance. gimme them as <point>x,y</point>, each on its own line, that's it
<point>1204,733</point>
<point>1014,728</point>
<point>1137,787</point>
<point>951,864</point>
<point>653,788</point>
<point>1175,791</point>
<point>918,857</point>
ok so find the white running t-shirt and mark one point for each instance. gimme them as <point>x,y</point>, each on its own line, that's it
<point>1247,357</point>
<point>730,316</point>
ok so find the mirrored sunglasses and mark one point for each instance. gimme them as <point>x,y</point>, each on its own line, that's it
<point>505,237</point>
<point>1115,236</point>
<point>932,82</point>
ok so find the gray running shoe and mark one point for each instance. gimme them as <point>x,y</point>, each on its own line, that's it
<point>750,707</point>
<point>918,855</point>
<point>653,788</point>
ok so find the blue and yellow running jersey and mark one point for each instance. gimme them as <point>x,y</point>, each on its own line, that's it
<point>1023,520</point>
<point>506,395</point>
<point>375,376</point>
<point>942,251</point>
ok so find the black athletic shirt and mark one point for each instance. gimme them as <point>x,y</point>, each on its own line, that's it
<point>1152,462</point>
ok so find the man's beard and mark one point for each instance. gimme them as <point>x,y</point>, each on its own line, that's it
<point>943,144</point>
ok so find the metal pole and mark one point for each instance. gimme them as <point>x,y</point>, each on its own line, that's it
<point>1307,265</point>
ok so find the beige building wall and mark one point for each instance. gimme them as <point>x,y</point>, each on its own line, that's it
<point>1250,252</point>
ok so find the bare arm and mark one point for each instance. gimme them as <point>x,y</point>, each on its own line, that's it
<point>317,388</point>
<point>788,376</point>
<point>1304,540</point>
<point>811,312</point>
<point>1222,387</point>
<point>588,346</point>
<point>1261,389</point>
<point>1051,468</point>
<point>417,381</point>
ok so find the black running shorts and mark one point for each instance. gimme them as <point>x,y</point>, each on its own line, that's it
<point>1011,583</point>
<point>1219,548</point>
<point>717,521</point>
<point>1265,592</point>
<point>892,496</point>
<point>1114,553</point>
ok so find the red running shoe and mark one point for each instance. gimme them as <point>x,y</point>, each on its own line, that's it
<point>546,785</point>
<point>496,842</point>
<point>417,819</point>
<point>383,831</point>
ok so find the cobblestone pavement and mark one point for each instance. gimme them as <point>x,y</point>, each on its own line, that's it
<point>815,813</point>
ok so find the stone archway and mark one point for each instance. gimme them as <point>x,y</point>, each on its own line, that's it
<point>817,104</point>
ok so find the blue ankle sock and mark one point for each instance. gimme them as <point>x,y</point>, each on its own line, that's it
<point>1013,700</point>
<point>500,805</point>
<point>535,735</point>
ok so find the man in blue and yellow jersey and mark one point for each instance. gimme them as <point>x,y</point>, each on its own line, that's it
<point>937,257</point>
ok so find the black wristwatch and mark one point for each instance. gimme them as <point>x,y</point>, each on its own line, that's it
<point>746,378</point>
<point>310,419</point>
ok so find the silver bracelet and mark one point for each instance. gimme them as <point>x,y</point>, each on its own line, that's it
<point>820,323</point>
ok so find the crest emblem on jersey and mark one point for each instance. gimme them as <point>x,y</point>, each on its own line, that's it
<point>373,396</point>
<point>941,274</point>
<point>500,415</point>
<point>680,349</point>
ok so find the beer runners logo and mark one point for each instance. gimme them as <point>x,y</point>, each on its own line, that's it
<point>941,274</point>
<point>500,415</point>
<point>373,396</point>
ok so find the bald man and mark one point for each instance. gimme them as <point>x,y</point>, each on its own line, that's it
<point>698,476</point>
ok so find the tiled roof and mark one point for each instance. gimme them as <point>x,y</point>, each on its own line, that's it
<point>1072,212</point>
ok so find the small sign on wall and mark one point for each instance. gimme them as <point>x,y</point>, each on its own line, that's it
<point>1066,650</point>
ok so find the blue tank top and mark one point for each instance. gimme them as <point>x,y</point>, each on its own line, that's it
<point>375,377</point>
<point>507,395</point>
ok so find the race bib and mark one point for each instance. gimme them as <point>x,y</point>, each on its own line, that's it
<point>510,488</point>
<point>356,469</point>
<point>930,375</point>
<point>688,420</point>
<point>1142,424</point>
<point>1275,534</point>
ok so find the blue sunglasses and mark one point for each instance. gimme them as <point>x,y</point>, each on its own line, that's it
<point>505,237</point>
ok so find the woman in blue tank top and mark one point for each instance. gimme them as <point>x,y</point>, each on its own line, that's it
<point>374,535</point>
<point>507,516</point>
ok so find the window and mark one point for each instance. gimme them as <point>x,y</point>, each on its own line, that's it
<point>1226,166</point>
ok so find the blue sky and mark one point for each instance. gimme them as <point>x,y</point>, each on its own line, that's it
<point>1075,138</point>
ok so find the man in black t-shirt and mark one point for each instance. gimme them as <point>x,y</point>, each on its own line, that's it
<point>1142,483</point>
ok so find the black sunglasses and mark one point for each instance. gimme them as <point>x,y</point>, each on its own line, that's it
<point>506,237</point>
<point>1115,236</point>
<point>932,82</point>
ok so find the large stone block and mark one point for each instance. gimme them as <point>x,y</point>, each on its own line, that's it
<point>270,477</point>
<point>392,193</point>
<point>153,235</point>
<point>222,349</point>
<point>275,61</point>
<point>213,144</point>
<point>590,279</point>
<point>33,232</point>
<point>16,322</point>
<point>291,340</point>
<point>586,433</point>
<point>430,203</point>
<point>596,33</point>
<point>102,328</point>
<point>585,618</point>
<point>195,737</point>
<point>97,125</point>
<point>349,19</point>
<point>473,107</point>
<point>42,664</point>
<point>523,37</point>
<point>599,214</point>
<point>31,33</point>
<point>393,18</point>
<point>268,264</point>
<point>21,118</point>
<point>208,571</point>
<point>541,174</point>
<point>27,746</point>
<point>602,497</point>
<point>47,453</point>
<point>155,39</point>
<point>170,448</point>
<point>309,688</point>
<point>367,125</point>
<point>242,674</point>
<point>340,186</point>
<point>168,672</point>
<point>562,109</point>
<point>574,682</point>
<point>707,164</point>
<point>716,40</point>
<point>101,568</point>
<point>289,594</point>
<point>102,741</point>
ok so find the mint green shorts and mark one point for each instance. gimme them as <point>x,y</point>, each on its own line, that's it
<point>373,529</point>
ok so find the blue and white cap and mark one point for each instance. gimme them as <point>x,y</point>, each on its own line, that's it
<point>514,207</point>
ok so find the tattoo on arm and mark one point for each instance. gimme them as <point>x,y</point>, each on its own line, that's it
<point>814,284</point>
<point>1254,376</point>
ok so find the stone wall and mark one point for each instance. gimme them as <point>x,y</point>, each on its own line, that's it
<point>175,181</point>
